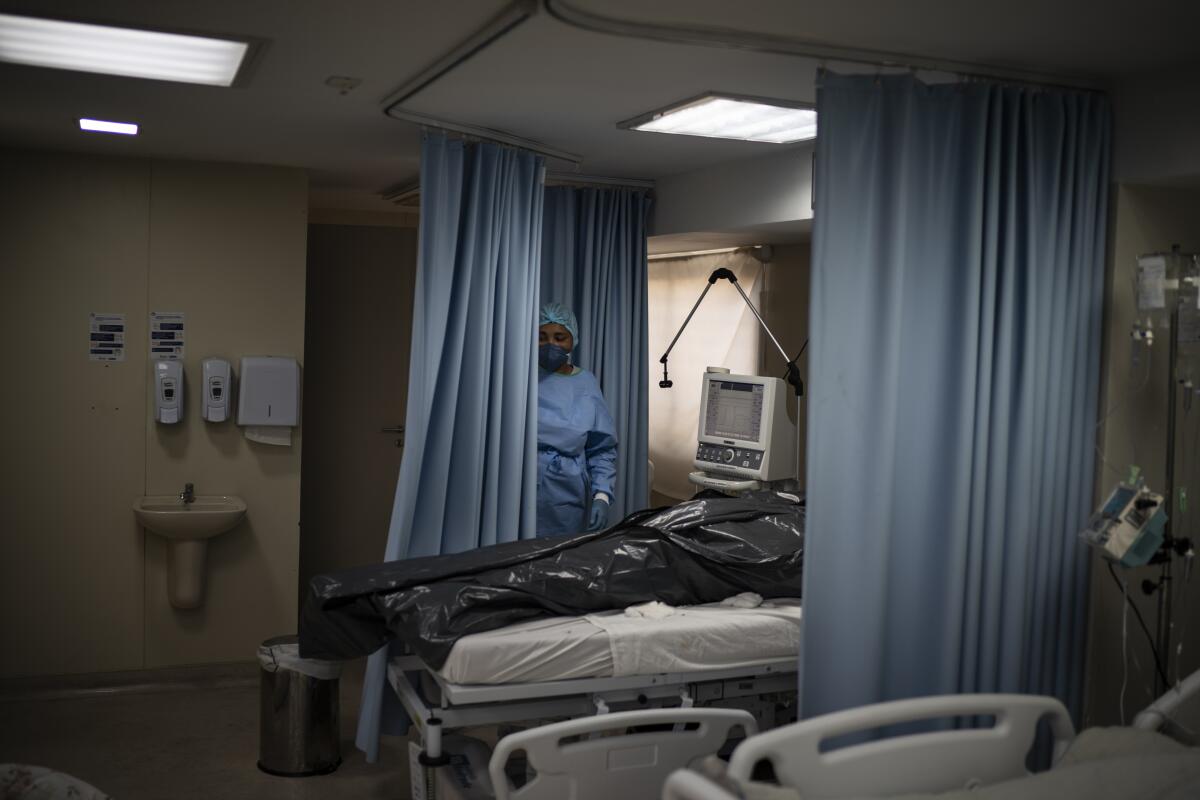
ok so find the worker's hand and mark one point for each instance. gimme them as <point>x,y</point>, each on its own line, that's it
<point>599,516</point>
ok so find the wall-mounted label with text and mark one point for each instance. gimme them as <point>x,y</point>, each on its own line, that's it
<point>106,337</point>
<point>166,335</point>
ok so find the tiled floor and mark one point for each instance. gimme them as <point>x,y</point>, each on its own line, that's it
<point>192,740</point>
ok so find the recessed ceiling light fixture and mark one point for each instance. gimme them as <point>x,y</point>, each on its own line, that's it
<point>104,126</point>
<point>120,51</point>
<point>729,116</point>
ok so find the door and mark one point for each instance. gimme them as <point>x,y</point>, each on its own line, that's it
<point>358,328</point>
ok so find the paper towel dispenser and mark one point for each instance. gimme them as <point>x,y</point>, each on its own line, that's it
<point>269,398</point>
<point>168,392</point>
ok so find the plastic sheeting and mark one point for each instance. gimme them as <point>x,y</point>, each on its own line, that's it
<point>284,653</point>
<point>700,551</point>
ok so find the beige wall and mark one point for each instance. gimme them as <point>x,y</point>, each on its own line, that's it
<point>1145,219</point>
<point>360,289</point>
<point>72,240</point>
<point>1156,125</point>
<point>785,297</point>
<point>82,588</point>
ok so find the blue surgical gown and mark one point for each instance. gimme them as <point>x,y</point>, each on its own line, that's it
<point>577,450</point>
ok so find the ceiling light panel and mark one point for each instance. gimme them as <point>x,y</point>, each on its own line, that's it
<point>119,51</point>
<point>730,117</point>
<point>104,126</point>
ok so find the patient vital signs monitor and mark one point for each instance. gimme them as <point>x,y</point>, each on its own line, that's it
<point>745,436</point>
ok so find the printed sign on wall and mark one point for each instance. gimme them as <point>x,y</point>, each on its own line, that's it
<point>106,337</point>
<point>1151,283</point>
<point>166,335</point>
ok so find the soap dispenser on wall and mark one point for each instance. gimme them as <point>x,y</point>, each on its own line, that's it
<point>168,392</point>
<point>217,389</point>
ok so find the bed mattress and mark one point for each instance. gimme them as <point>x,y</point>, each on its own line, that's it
<point>614,644</point>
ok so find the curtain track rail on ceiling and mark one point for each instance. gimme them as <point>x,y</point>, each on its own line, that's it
<point>494,29</point>
<point>574,179</point>
<point>517,12</point>
<point>730,39</point>
<point>713,252</point>
<point>509,18</point>
<point>484,134</point>
<point>407,193</point>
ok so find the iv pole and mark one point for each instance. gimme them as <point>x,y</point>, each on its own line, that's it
<point>1174,543</point>
<point>1166,291</point>
<point>793,372</point>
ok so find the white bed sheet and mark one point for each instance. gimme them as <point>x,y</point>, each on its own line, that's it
<point>613,645</point>
<point>701,637</point>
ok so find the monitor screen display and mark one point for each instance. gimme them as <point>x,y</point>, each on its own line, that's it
<point>734,410</point>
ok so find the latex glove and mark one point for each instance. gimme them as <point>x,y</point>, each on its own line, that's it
<point>599,516</point>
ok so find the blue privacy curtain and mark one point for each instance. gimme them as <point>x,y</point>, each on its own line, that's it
<point>594,262</point>
<point>958,266</point>
<point>468,477</point>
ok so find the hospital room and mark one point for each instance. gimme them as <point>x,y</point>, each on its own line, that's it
<point>537,399</point>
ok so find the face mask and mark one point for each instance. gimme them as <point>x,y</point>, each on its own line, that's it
<point>551,357</point>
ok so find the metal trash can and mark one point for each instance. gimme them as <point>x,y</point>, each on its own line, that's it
<point>298,711</point>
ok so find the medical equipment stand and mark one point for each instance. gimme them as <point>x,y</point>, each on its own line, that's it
<point>793,371</point>
<point>1172,545</point>
<point>1163,634</point>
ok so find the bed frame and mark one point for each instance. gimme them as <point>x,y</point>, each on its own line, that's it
<point>1167,713</point>
<point>921,762</point>
<point>426,696</point>
<point>618,755</point>
<point>937,761</point>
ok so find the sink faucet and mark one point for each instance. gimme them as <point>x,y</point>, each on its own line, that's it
<point>188,495</point>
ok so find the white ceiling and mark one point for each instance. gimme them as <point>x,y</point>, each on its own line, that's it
<point>770,233</point>
<point>1086,38</point>
<point>543,80</point>
<point>286,115</point>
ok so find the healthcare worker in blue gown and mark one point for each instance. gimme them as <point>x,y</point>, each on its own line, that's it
<point>577,442</point>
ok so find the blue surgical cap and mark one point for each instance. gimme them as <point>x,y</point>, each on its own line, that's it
<point>558,313</point>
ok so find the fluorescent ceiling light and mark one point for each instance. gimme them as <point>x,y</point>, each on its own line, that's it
<point>104,126</point>
<point>752,119</point>
<point>119,51</point>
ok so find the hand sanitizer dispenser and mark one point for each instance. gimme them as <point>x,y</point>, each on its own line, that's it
<point>269,398</point>
<point>168,392</point>
<point>218,387</point>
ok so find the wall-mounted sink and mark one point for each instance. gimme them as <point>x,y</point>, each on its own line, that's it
<point>187,527</point>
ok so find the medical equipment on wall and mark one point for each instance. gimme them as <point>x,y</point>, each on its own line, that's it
<point>749,440</point>
<point>1130,531</point>
<point>793,372</point>
<point>217,388</point>
<point>269,398</point>
<point>745,437</point>
<point>168,392</point>
<point>1128,528</point>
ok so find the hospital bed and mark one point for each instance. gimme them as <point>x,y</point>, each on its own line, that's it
<point>565,668</point>
<point>986,762</point>
<point>624,755</point>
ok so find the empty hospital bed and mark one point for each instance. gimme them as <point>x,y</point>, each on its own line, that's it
<point>984,763</point>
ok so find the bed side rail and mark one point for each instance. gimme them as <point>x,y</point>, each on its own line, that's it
<point>683,784</point>
<point>618,765</point>
<point>1162,711</point>
<point>921,762</point>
